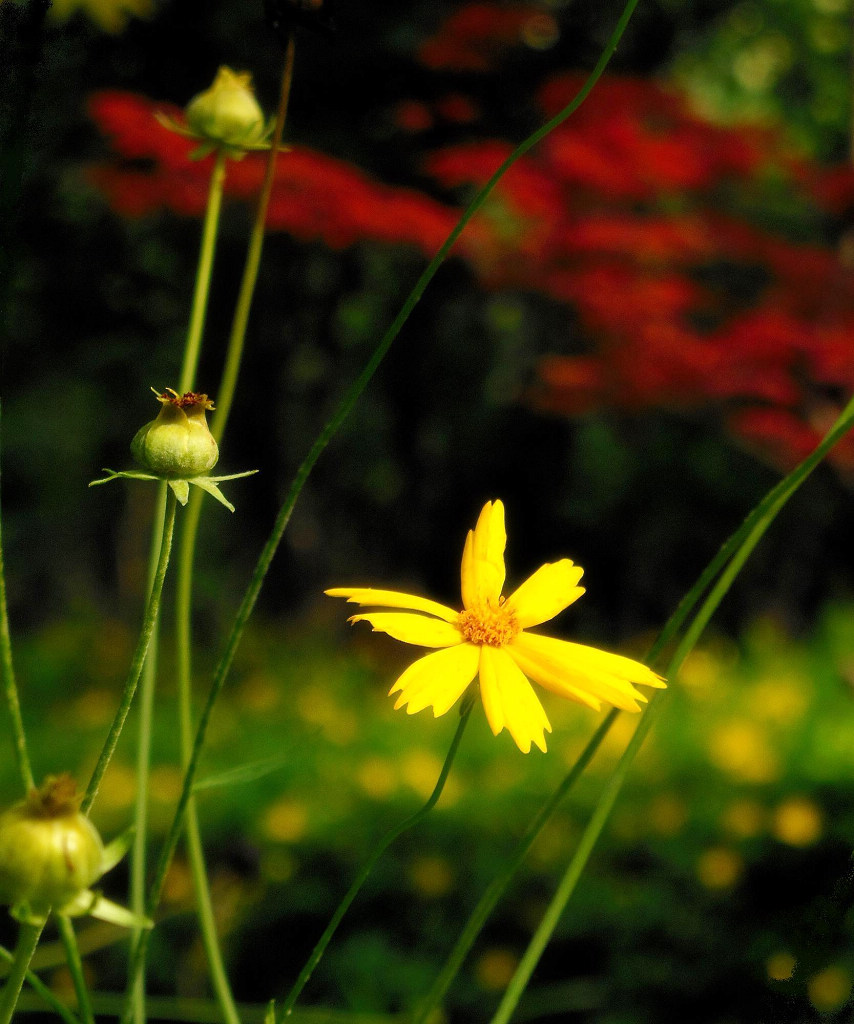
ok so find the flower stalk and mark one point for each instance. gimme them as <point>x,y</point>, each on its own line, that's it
<point>42,991</point>
<point>149,619</point>
<point>28,939</point>
<point>346,404</point>
<point>739,549</point>
<point>10,686</point>
<point>186,557</point>
<point>204,272</point>
<point>368,866</point>
<point>75,967</point>
<point>189,366</point>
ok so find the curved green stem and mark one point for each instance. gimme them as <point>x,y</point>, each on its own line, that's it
<point>149,619</point>
<point>143,745</point>
<point>42,991</point>
<point>28,939</point>
<point>732,555</point>
<point>750,534</point>
<point>203,275</point>
<point>253,256</point>
<point>346,404</point>
<point>189,367</point>
<point>368,866</point>
<point>75,966</point>
<point>192,832</point>
<point>186,557</point>
<point>10,686</point>
<point>486,904</point>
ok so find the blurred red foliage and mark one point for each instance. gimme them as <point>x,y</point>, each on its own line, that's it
<point>620,213</point>
<point>653,225</point>
<point>315,197</point>
<point>477,35</point>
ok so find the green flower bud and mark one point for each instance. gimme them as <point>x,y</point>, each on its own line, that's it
<point>50,853</point>
<point>227,113</point>
<point>177,444</point>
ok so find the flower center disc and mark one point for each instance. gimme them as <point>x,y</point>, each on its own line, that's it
<point>492,626</point>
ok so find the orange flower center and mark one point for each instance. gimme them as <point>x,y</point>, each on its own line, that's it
<point>492,626</point>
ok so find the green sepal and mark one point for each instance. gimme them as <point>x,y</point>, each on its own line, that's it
<point>209,484</point>
<point>113,913</point>
<point>115,850</point>
<point>129,474</point>
<point>24,914</point>
<point>230,476</point>
<point>180,487</point>
<point>92,904</point>
<point>205,149</point>
<point>181,490</point>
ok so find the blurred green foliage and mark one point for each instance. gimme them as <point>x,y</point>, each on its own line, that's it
<point>727,858</point>
<point>729,854</point>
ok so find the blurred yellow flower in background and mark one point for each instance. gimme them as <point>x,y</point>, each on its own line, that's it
<point>489,638</point>
<point>109,15</point>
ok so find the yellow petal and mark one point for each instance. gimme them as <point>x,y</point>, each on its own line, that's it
<point>482,571</point>
<point>393,599</point>
<point>509,701</point>
<point>551,680</point>
<point>412,628</point>
<point>438,679</point>
<point>552,588</point>
<point>567,668</point>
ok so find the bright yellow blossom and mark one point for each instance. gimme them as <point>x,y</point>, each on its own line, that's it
<point>491,638</point>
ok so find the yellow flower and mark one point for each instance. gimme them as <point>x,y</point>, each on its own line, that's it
<point>491,638</point>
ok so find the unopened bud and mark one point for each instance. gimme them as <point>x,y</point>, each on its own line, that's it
<point>50,853</point>
<point>227,113</point>
<point>177,444</point>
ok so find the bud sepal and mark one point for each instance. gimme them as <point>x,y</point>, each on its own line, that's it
<point>50,856</point>
<point>224,117</point>
<point>180,488</point>
<point>177,447</point>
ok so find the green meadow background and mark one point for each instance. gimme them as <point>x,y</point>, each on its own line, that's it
<point>722,890</point>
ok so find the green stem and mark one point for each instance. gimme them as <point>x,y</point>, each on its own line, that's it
<point>186,556</point>
<point>189,367</point>
<point>496,888</point>
<point>750,534</point>
<point>75,966</point>
<point>10,686</point>
<point>195,851</point>
<point>143,747</point>
<point>42,991</point>
<point>585,847</point>
<point>346,404</point>
<point>203,275</point>
<point>149,620</point>
<point>253,256</point>
<point>733,552</point>
<point>367,867</point>
<point>28,939</point>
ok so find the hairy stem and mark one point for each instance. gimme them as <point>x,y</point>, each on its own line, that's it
<point>28,939</point>
<point>204,270</point>
<point>186,557</point>
<point>149,619</point>
<point>75,966</point>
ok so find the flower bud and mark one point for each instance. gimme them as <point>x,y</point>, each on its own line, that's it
<point>50,853</point>
<point>177,444</point>
<point>227,113</point>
